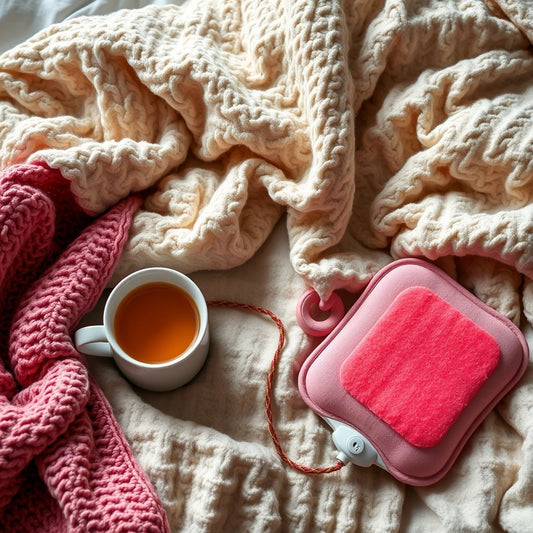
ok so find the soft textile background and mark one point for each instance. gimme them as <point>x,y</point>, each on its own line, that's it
<point>20,20</point>
<point>373,125</point>
<point>372,130</point>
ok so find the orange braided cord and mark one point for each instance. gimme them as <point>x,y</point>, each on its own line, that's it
<point>269,387</point>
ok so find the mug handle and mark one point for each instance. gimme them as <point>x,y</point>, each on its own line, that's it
<point>92,340</point>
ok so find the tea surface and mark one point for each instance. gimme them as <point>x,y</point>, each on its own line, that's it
<point>156,322</point>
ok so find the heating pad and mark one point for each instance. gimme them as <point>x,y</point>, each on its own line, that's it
<point>411,371</point>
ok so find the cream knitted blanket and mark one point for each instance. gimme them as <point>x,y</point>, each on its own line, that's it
<point>376,130</point>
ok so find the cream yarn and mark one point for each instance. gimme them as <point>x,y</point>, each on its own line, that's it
<point>402,130</point>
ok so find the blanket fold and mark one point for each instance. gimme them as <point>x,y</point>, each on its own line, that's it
<point>371,129</point>
<point>56,427</point>
<point>392,129</point>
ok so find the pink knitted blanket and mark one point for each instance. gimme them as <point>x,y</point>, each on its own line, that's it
<point>65,463</point>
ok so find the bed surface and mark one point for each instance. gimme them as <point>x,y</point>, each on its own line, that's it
<point>278,146</point>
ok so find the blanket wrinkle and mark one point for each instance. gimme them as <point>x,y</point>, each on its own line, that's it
<point>373,130</point>
<point>435,116</point>
<point>53,416</point>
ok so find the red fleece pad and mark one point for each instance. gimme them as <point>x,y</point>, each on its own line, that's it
<point>420,365</point>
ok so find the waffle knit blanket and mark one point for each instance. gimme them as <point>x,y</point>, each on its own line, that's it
<point>374,130</point>
<point>64,459</point>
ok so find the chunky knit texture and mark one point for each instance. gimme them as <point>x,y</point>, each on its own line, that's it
<point>370,126</point>
<point>59,442</point>
<point>376,129</point>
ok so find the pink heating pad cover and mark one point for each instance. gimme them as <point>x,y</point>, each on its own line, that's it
<point>414,366</point>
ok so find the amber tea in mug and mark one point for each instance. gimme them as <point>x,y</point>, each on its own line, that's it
<point>156,322</point>
<point>156,328</point>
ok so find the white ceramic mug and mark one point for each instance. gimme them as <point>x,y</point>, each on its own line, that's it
<point>101,340</point>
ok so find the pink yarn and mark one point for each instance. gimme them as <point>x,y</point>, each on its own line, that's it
<point>65,463</point>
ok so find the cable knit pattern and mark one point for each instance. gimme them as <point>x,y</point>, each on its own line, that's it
<point>373,130</point>
<point>58,420</point>
<point>402,128</point>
